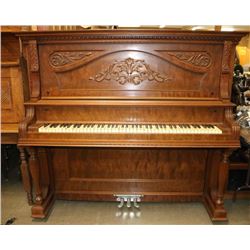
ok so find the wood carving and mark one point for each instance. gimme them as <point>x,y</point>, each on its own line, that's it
<point>26,175</point>
<point>35,175</point>
<point>226,57</point>
<point>104,36</point>
<point>33,56</point>
<point>201,59</point>
<point>231,121</point>
<point>66,57</point>
<point>6,100</point>
<point>222,177</point>
<point>130,71</point>
<point>30,116</point>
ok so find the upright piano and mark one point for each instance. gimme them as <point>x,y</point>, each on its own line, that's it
<point>131,112</point>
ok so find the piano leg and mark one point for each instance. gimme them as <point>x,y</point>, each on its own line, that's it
<point>35,174</point>
<point>26,175</point>
<point>217,170</point>
<point>44,197</point>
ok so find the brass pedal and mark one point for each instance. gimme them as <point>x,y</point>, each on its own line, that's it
<point>129,199</point>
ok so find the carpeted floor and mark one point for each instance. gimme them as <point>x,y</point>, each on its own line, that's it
<point>106,213</point>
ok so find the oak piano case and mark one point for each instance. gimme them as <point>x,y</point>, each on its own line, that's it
<point>142,112</point>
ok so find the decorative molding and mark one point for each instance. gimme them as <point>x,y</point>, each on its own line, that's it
<point>200,59</point>
<point>226,56</point>
<point>203,36</point>
<point>58,59</point>
<point>33,56</point>
<point>130,71</point>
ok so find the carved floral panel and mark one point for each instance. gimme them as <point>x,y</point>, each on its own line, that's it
<point>130,71</point>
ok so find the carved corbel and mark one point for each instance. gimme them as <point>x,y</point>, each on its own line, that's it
<point>29,117</point>
<point>232,123</point>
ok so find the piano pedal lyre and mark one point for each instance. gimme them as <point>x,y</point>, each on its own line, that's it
<point>129,199</point>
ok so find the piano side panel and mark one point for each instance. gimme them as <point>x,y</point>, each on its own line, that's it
<point>130,71</point>
<point>110,171</point>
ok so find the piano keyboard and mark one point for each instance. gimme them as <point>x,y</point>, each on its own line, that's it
<point>130,128</point>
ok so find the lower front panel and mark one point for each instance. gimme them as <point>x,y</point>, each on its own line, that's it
<point>101,173</point>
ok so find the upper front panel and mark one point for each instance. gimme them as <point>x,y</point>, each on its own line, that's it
<point>130,70</point>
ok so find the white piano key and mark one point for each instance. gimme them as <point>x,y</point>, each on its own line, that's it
<point>130,129</point>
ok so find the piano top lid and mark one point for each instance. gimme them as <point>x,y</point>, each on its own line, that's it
<point>132,34</point>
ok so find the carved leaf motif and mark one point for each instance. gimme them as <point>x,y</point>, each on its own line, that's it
<point>62,58</point>
<point>226,56</point>
<point>200,59</point>
<point>130,71</point>
<point>33,57</point>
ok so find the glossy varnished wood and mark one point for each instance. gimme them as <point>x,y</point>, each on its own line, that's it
<point>128,77</point>
<point>12,108</point>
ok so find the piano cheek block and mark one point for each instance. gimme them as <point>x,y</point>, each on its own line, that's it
<point>127,115</point>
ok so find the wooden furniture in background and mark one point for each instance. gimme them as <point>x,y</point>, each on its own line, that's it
<point>129,77</point>
<point>12,108</point>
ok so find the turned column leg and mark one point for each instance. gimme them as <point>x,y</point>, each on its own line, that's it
<point>216,179</point>
<point>222,179</point>
<point>35,174</point>
<point>26,175</point>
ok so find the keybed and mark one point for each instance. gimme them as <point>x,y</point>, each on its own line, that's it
<point>94,128</point>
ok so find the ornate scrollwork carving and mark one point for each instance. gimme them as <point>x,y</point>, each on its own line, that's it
<point>130,71</point>
<point>58,59</point>
<point>226,56</point>
<point>200,59</point>
<point>33,56</point>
